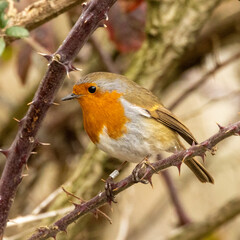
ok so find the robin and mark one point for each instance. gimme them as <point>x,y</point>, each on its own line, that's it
<point>128,122</point>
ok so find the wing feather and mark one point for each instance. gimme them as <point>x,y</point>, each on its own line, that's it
<point>150,103</point>
<point>165,117</point>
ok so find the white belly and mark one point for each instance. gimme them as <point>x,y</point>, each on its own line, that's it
<point>126,148</point>
<point>144,137</point>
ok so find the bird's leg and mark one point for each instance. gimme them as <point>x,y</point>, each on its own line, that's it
<point>109,188</point>
<point>109,183</point>
<point>143,164</point>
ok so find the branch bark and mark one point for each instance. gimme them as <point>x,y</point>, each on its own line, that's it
<point>42,11</point>
<point>59,63</point>
<point>101,198</point>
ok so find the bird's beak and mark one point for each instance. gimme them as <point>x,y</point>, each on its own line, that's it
<point>70,97</point>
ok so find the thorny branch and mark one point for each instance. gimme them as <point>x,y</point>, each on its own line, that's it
<point>60,63</point>
<point>101,198</point>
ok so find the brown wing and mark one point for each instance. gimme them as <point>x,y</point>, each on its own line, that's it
<point>165,117</point>
<point>145,99</point>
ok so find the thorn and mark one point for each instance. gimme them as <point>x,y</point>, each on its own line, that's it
<point>85,21</point>
<point>17,120</point>
<point>179,167</point>
<point>102,25</point>
<point>188,153</point>
<point>4,152</point>
<point>84,4</point>
<point>193,144</point>
<point>72,68</point>
<point>34,153</point>
<point>68,76</point>
<point>20,122</point>
<point>30,103</point>
<point>221,128</point>
<point>25,175</point>
<point>69,68</point>
<point>205,144</point>
<point>75,204</point>
<point>42,143</point>
<point>106,16</point>
<point>20,179</point>
<point>202,155</point>
<point>46,56</point>
<point>56,104</point>
<point>150,181</point>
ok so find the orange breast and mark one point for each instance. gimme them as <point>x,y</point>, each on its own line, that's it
<point>103,110</point>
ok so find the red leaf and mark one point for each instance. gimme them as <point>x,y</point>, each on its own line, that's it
<point>24,61</point>
<point>130,5</point>
<point>126,29</point>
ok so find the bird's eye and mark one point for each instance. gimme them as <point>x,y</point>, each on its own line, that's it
<point>92,89</point>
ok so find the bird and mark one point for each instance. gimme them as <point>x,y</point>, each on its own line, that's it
<point>129,122</point>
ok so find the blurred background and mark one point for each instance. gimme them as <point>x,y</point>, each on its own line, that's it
<point>166,46</point>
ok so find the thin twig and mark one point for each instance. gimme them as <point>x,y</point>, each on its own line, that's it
<point>46,201</point>
<point>203,79</point>
<point>181,213</point>
<point>105,57</point>
<point>32,218</point>
<point>101,198</point>
<point>195,112</point>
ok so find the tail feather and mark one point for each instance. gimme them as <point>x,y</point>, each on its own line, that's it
<point>199,170</point>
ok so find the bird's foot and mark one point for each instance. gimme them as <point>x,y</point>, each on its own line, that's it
<point>144,166</point>
<point>110,185</point>
<point>109,190</point>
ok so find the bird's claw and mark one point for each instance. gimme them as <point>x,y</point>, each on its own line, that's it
<point>136,171</point>
<point>109,188</point>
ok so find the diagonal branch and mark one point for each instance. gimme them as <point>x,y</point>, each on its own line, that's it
<point>59,63</point>
<point>199,230</point>
<point>203,79</point>
<point>101,198</point>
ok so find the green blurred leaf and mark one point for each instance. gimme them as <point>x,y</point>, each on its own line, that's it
<point>3,21</point>
<point>2,46</point>
<point>3,6</point>
<point>17,31</point>
<point>7,53</point>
